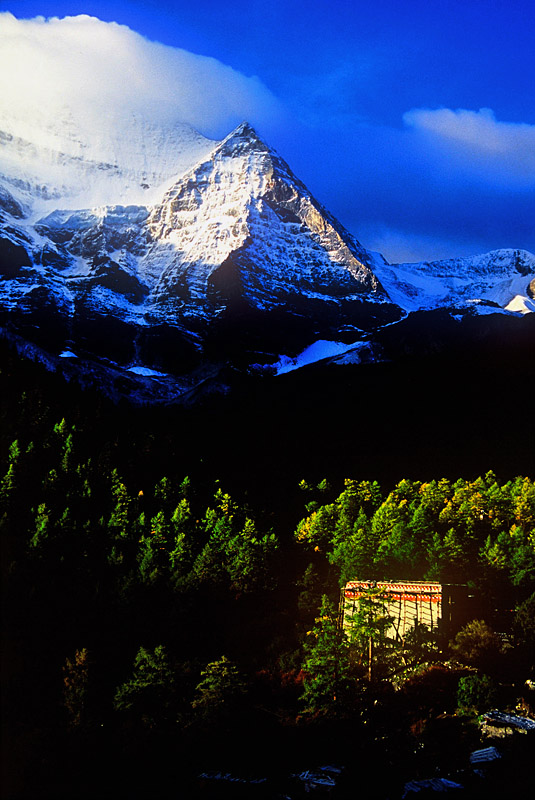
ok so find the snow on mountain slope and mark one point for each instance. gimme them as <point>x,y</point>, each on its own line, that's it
<point>240,225</point>
<point>499,278</point>
<point>321,351</point>
<point>153,250</point>
<point>62,164</point>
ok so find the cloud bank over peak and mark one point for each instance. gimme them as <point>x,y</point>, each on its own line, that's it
<point>479,139</point>
<point>102,73</point>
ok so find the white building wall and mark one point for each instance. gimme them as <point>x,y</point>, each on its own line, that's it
<point>407,603</point>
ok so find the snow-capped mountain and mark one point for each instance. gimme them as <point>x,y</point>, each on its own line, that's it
<point>501,278</point>
<point>163,253</point>
<point>237,228</point>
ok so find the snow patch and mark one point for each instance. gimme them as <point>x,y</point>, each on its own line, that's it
<point>146,372</point>
<point>521,303</point>
<point>310,355</point>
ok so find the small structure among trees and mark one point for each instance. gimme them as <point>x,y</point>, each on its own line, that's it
<point>441,608</point>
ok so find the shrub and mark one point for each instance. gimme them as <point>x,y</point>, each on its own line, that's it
<point>478,645</point>
<point>475,692</point>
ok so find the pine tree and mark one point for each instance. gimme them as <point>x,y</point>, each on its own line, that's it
<point>42,528</point>
<point>182,530</point>
<point>326,667</point>
<point>150,694</point>
<point>9,482</point>
<point>248,558</point>
<point>119,519</point>
<point>369,625</point>
<point>219,695</point>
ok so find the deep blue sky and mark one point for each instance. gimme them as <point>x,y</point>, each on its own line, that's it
<point>426,184</point>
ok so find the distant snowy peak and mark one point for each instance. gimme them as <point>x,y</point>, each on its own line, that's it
<point>502,279</point>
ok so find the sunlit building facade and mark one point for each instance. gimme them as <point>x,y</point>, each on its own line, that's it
<point>442,608</point>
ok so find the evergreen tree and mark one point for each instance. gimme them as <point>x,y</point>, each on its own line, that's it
<point>355,555</point>
<point>182,532</point>
<point>42,529</point>
<point>317,530</point>
<point>119,519</point>
<point>220,694</point>
<point>326,667</point>
<point>524,504</point>
<point>249,557</point>
<point>9,482</point>
<point>368,627</point>
<point>67,453</point>
<point>150,694</point>
<point>309,599</point>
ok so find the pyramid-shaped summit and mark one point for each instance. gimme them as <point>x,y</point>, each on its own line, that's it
<point>240,228</point>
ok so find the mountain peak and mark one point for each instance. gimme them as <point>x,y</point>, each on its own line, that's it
<point>243,139</point>
<point>244,128</point>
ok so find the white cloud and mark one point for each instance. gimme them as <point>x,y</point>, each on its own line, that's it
<point>477,140</point>
<point>103,72</point>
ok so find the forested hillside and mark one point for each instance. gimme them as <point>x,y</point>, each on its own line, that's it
<point>160,620</point>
